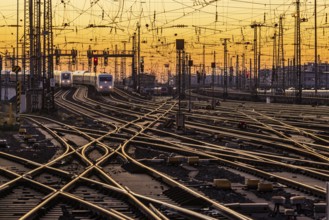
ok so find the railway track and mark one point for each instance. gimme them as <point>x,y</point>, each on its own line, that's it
<point>70,173</point>
<point>114,162</point>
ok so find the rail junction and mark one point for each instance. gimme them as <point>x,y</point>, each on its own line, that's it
<point>121,156</point>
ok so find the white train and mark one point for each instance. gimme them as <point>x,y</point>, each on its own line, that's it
<point>103,82</point>
<point>9,76</point>
<point>63,78</point>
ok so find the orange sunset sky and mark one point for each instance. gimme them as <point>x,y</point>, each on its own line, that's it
<point>199,22</point>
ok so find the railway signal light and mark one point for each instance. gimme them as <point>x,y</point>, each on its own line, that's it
<point>95,61</point>
<point>106,58</point>
<point>74,56</point>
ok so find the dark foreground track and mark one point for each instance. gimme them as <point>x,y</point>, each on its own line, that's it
<point>120,157</point>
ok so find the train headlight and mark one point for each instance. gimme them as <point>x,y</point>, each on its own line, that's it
<point>110,87</point>
<point>63,81</point>
<point>101,87</point>
<point>68,81</point>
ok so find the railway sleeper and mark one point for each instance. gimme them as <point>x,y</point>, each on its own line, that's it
<point>249,208</point>
<point>287,182</point>
<point>184,198</point>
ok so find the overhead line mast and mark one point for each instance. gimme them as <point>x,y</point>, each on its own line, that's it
<point>315,49</point>
<point>38,54</point>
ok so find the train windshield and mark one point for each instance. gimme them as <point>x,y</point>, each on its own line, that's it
<point>66,76</point>
<point>105,78</point>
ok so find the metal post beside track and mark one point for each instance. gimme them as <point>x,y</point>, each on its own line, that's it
<point>190,64</point>
<point>179,116</point>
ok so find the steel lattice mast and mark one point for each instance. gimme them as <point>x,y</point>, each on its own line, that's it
<point>298,53</point>
<point>38,53</point>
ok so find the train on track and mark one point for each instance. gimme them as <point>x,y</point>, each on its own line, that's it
<point>9,76</point>
<point>103,82</point>
<point>63,78</point>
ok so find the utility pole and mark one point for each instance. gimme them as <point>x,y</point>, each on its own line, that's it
<point>38,53</point>
<point>255,59</point>
<point>315,49</point>
<point>250,67</point>
<point>288,74</point>
<point>180,120</point>
<point>297,56</point>
<point>274,65</point>
<point>123,63</point>
<point>237,74</point>
<point>116,72</point>
<point>243,76</point>
<point>225,94</point>
<point>255,26</point>
<point>134,66</point>
<point>17,32</point>
<point>259,56</point>
<point>213,66</point>
<point>298,53</point>
<point>190,64</point>
<point>203,64</point>
<point>281,53</point>
<point>183,74</point>
<point>139,57</point>
<point>0,78</point>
